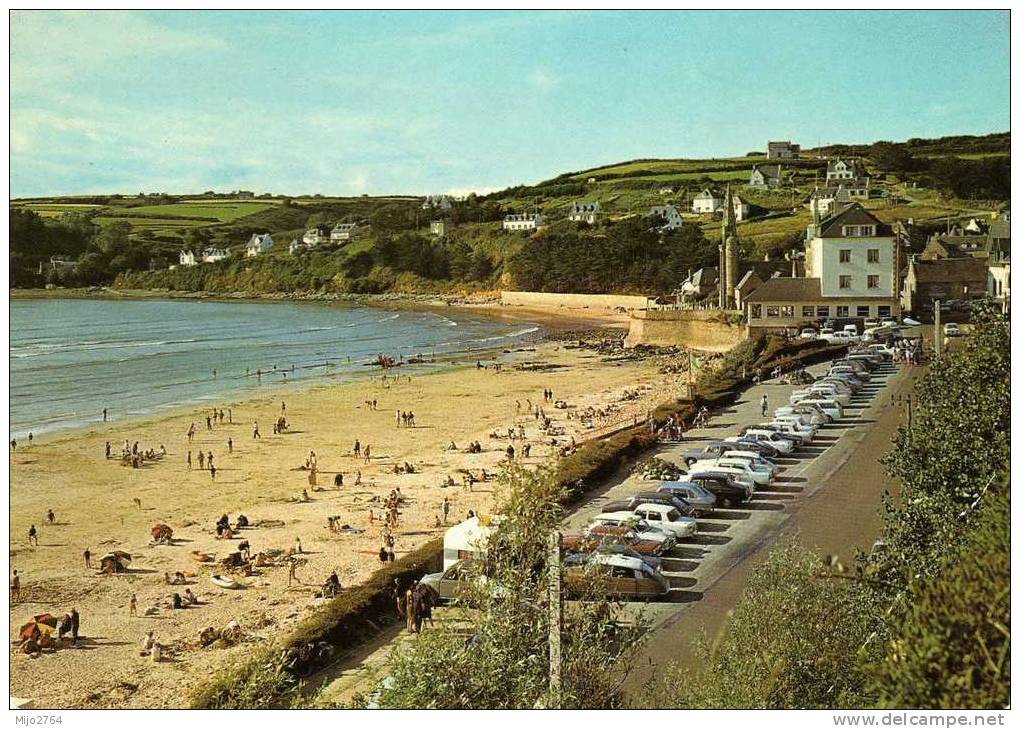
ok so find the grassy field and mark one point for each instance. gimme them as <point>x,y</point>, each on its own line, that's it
<point>217,210</point>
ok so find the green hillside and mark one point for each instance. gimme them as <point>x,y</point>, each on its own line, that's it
<point>132,240</point>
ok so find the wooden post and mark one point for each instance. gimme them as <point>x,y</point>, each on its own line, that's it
<point>938,328</point>
<point>555,619</point>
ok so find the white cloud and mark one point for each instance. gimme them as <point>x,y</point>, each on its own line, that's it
<point>48,46</point>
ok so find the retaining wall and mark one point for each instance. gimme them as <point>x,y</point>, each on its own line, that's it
<point>708,331</point>
<point>607,302</point>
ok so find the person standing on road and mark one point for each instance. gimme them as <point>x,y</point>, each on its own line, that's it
<point>764,405</point>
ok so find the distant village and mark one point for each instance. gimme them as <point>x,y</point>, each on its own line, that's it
<point>853,266</point>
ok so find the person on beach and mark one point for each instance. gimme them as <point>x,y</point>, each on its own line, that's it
<point>201,461</point>
<point>338,481</point>
<point>292,572</point>
<point>15,587</point>
<point>189,460</point>
<point>14,445</point>
<point>208,422</point>
<point>133,606</point>
<point>400,417</point>
<point>409,603</point>
<point>255,431</point>
<point>230,415</point>
<point>50,516</point>
<point>108,450</point>
<point>446,509</point>
<point>764,404</point>
<point>104,415</point>
<point>87,554</point>
<point>230,445</point>
<point>212,471</point>
<point>33,536</point>
<point>368,453</point>
<point>191,433</point>
<point>209,459</point>
<point>357,448</point>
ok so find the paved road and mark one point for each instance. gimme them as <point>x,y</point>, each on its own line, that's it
<point>829,491</point>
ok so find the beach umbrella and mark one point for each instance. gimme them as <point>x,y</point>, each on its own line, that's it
<point>38,626</point>
<point>113,562</point>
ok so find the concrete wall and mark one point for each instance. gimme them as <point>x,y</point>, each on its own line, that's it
<point>708,331</point>
<point>605,302</point>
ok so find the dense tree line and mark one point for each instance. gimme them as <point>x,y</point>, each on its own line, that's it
<point>626,256</point>
<point>922,622</point>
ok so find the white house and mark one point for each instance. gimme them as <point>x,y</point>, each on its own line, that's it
<point>741,209</point>
<point>258,243</point>
<point>706,201</point>
<point>766,176</point>
<point>523,221</point>
<point>296,246</point>
<point>187,258</point>
<point>666,190</point>
<point>841,169</point>
<point>212,255</point>
<point>343,233</point>
<point>825,200</point>
<point>315,236</point>
<point>585,212</point>
<point>998,285</point>
<point>437,228</point>
<point>439,202</point>
<point>667,217</point>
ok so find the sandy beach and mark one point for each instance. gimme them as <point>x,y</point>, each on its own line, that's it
<point>93,502</point>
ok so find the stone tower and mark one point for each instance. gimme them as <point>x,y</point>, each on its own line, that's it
<point>731,254</point>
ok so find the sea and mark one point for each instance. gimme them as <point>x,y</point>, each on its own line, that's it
<point>70,358</point>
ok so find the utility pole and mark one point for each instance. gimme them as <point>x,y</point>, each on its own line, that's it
<point>938,328</point>
<point>555,620</point>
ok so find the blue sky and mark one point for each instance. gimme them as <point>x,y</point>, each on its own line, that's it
<point>417,102</point>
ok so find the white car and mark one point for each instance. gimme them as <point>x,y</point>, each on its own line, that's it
<point>882,350</point>
<point>668,519</point>
<point>633,523</point>
<point>801,421</point>
<point>733,467</point>
<point>889,321</point>
<point>755,460</point>
<point>781,444</point>
<point>952,330</point>
<point>791,428</point>
<point>809,333</point>
<point>828,389</point>
<point>827,405</point>
<point>871,323</point>
<point>849,369</point>
<point>812,412</point>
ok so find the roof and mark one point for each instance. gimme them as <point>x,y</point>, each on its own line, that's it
<point>849,163</point>
<point>768,170</point>
<point>832,226</point>
<point>998,228</point>
<point>949,270</point>
<point>706,193</point>
<point>787,289</point>
<point>705,276</point>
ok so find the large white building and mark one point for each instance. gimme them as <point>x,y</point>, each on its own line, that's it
<point>851,273</point>
<point>523,221</point>
<point>258,243</point>
<point>187,258</point>
<point>343,233</point>
<point>706,201</point>
<point>841,170</point>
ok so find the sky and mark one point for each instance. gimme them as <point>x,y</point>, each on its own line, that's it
<point>408,102</point>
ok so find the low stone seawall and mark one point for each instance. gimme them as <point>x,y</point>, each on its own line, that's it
<point>605,302</point>
<point>708,331</point>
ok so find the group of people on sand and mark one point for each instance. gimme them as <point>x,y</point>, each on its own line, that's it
<point>360,451</point>
<point>405,419</point>
<point>133,455</point>
<point>414,605</point>
<point>205,462</point>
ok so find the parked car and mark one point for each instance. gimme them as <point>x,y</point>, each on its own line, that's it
<point>815,414</point>
<point>715,448</point>
<point>757,475</point>
<point>622,522</point>
<point>631,540</point>
<point>727,490</point>
<point>828,389</point>
<point>452,583</point>
<point>827,405</point>
<point>668,519</point>
<point>952,330</point>
<point>851,329</point>
<point>802,422</point>
<point>619,575</point>
<point>809,333</point>
<point>871,323</point>
<point>781,444</point>
<point>792,429</point>
<point>628,503</point>
<point>580,557</point>
<point>883,350</point>
<point>693,493</point>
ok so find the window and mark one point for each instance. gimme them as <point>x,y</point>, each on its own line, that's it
<point>873,281</point>
<point>872,255</point>
<point>844,255</point>
<point>842,311</point>
<point>864,311</point>
<point>787,311</point>
<point>772,311</point>
<point>807,311</point>
<point>823,312</point>
<point>884,311</point>
<point>858,231</point>
<point>756,311</point>
<point>844,282</point>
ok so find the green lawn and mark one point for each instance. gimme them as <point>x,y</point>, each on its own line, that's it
<point>224,212</point>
